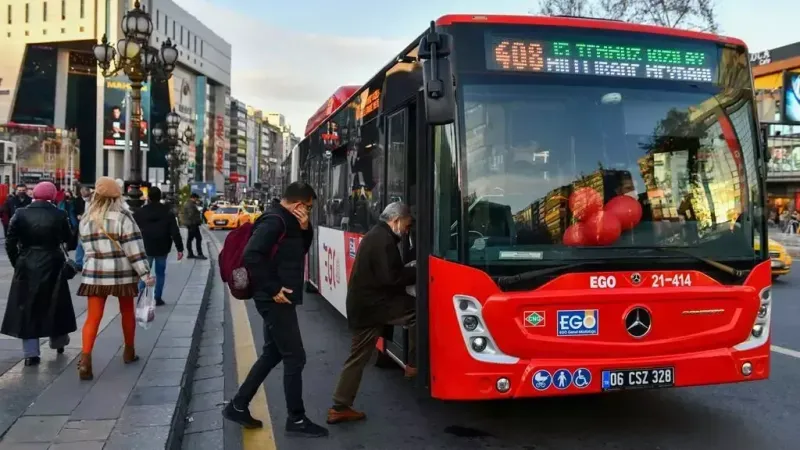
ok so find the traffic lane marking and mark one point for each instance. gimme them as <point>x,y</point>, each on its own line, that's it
<point>785,351</point>
<point>245,350</point>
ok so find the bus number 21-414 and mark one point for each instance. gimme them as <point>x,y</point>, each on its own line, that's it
<point>675,280</point>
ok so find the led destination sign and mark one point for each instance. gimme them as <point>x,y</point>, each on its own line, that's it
<point>591,58</point>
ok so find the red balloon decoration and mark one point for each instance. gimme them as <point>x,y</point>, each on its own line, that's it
<point>585,202</point>
<point>603,228</point>
<point>575,235</point>
<point>628,211</point>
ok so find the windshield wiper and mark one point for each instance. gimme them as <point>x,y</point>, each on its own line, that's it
<point>507,281</point>
<point>682,250</point>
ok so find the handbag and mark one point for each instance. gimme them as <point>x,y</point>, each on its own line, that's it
<point>71,268</point>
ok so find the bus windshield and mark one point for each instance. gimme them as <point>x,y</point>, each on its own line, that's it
<point>684,150</point>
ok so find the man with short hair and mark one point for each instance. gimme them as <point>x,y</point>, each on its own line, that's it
<point>19,199</point>
<point>159,229</point>
<point>376,297</point>
<point>275,259</point>
<point>192,218</point>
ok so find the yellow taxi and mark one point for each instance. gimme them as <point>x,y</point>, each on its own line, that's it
<point>227,218</point>
<point>781,260</point>
<point>253,211</point>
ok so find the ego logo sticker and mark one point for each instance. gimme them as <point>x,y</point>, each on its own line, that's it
<point>578,322</point>
<point>332,277</point>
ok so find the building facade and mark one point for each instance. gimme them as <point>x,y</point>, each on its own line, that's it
<point>776,76</point>
<point>237,177</point>
<point>49,78</point>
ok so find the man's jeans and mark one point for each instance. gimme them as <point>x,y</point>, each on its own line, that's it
<point>79,254</point>
<point>282,342</point>
<point>161,274</point>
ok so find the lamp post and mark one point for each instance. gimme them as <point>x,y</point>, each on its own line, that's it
<point>135,58</point>
<point>174,141</point>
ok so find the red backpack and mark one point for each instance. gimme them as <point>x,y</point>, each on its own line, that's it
<point>231,260</point>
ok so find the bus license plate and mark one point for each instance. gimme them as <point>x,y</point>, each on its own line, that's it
<point>615,380</point>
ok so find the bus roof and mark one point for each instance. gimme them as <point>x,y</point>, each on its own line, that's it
<point>330,106</point>
<point>582,22</point>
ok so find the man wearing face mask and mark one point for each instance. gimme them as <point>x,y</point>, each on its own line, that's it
<point>275,258</point>
<point>376,297</point>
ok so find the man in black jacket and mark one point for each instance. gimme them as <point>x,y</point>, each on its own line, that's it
<point>376,297</point>
<point>275,258</point>
<point>159,229</point>
<point>20,199</point>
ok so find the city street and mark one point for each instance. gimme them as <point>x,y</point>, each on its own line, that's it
<point>140,405</point>
<point>755,415</point>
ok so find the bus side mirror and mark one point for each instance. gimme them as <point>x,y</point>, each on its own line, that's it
<point>437,75</point>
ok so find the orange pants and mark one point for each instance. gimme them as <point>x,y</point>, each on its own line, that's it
<point>95,314</point>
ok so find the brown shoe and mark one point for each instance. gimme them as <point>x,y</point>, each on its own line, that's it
<point>85,367</point>
<point>129,355</point>
<point>344,415</point>
<point>411,372</point>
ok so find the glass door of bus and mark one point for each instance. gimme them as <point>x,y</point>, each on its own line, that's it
<point>400,186</point>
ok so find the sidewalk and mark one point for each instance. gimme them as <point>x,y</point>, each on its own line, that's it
<point>142,405</point>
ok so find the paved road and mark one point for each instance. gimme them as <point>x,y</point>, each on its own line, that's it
<point>761,415</point>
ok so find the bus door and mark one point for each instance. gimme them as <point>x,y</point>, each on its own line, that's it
<point>401,186</point>
<point>316,166</point>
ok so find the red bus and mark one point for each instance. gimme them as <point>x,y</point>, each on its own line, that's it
<point>589,200</point>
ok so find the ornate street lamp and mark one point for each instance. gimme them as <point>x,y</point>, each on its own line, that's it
<point>134,57</point>
<point>174,141</point>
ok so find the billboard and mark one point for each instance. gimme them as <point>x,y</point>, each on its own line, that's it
<point>791,97</point>
<point>115,110</point>
<point>42,153</point>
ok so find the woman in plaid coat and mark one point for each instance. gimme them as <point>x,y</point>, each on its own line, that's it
<point>114,263</point>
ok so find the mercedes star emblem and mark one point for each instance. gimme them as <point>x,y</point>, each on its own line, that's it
<point>638,322</point>
<point>636,278</point>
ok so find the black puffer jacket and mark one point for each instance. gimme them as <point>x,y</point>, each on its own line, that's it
<point>268,272</point>
<point>159,229</point>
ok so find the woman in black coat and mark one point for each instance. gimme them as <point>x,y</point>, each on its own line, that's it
<point>39,303</point>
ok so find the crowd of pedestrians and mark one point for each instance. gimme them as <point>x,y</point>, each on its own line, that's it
<point>116,248</point>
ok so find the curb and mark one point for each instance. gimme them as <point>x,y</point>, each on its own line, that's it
<point>176,432</point>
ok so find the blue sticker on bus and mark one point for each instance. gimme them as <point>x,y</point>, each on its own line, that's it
<point>581,322</point>
<point>542,380</point>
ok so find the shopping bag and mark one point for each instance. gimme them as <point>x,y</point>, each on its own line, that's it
<point>145,308</point>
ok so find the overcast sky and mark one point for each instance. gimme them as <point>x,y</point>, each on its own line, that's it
<point>289,56</point>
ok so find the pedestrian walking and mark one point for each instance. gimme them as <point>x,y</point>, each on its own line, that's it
<point>39,303</point>
<point>114,263</point>
<point>193,219</point>
<point>80,209</point>
<point>159,230</point>
<point>376,297</point>
<point>277,277</point>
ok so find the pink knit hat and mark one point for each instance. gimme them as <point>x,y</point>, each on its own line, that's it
<point>45,190</point>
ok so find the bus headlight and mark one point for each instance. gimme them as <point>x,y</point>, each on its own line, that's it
<point>470,323</point>
<point>479,342</point>
<point>759,333</point>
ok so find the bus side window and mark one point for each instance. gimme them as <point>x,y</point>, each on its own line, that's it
<point>337,204</point>
<point>366,193</point>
